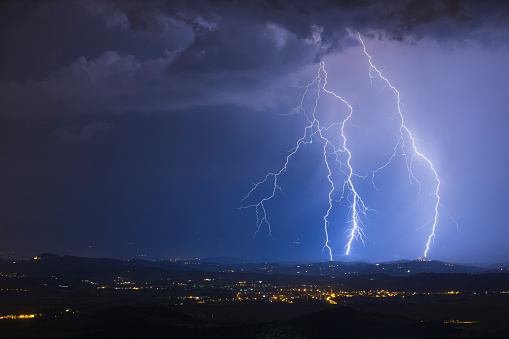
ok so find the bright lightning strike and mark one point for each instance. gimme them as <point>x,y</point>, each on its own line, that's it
<point>315,131</point>
<point>357,206</point>
<point>405,132</point>
<point>340,156</point>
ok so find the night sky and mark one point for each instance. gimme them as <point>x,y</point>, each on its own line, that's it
<point>133,129</point>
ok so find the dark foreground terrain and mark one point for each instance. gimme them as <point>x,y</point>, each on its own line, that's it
<point>80,298</point>
<point>152,321</point>
<point>155,321</point>
<point>87,313</point>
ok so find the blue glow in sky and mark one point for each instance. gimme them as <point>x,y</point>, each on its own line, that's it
<point>136,128</point>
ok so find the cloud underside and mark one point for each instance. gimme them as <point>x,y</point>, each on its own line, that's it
<point>193,53</point>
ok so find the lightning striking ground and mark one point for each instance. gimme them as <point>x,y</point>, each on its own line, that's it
<point>340,156</point>
<point>404,131</point>
<point>357,206</point>
<point>315,131</point>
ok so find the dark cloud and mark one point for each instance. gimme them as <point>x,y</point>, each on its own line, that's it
<point>162,55</point>
<point>415,13</point>
<point>395,18</point>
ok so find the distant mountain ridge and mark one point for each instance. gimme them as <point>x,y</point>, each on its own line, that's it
<point>53,271</point>
<point>52,262</point>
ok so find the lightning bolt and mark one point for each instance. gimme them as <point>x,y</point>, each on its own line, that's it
<point>357,205</point>
<point>340,156</point>
<point>405,132</point>
<point>314,130</point>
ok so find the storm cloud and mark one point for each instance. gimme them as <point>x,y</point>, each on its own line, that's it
<point>153,56</point>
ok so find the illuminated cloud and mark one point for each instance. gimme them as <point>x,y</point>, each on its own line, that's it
<point>166,55</point>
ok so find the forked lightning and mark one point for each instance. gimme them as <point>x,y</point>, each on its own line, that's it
<point>340,156</point>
